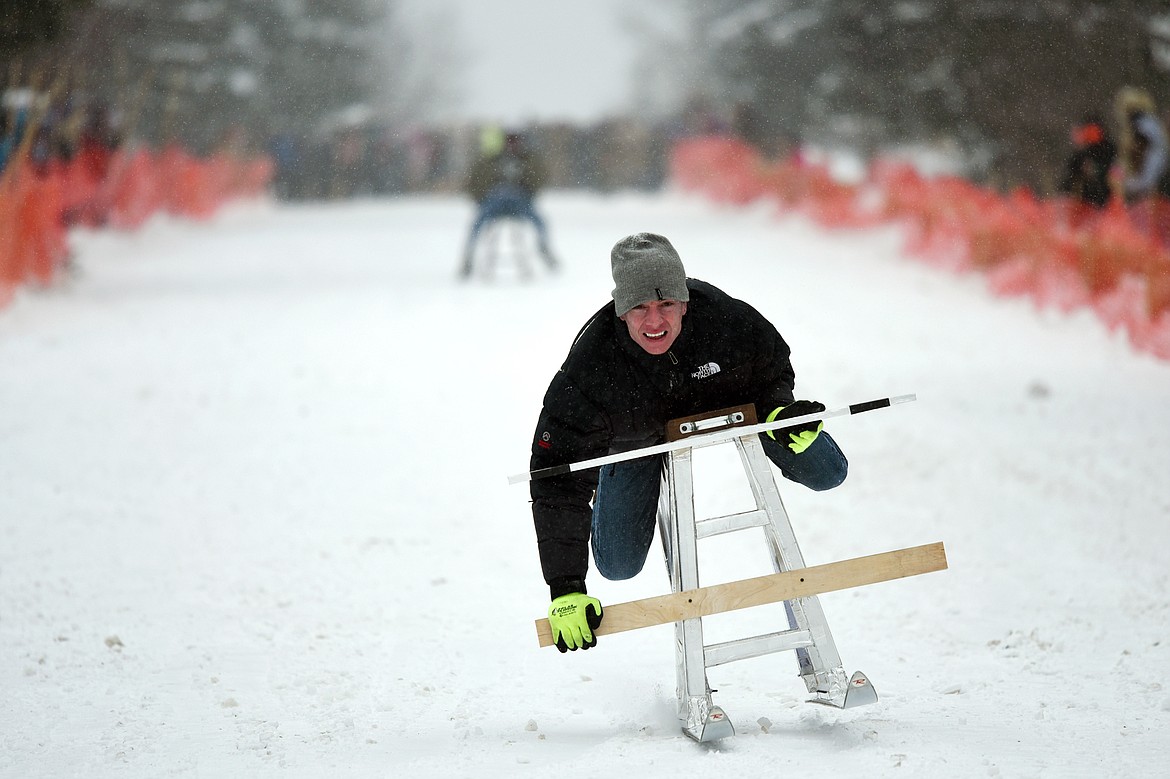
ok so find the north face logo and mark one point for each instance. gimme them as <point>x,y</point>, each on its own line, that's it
<point>710,369</point>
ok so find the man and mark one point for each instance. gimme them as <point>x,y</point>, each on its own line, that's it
<point>1143,149</point>
<point>1086,174</point>
<point>503,183</point>
<point>666,347</point>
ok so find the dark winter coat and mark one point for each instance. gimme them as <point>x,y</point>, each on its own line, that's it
<point>1086,175</point>
<point>610,395</point>
<point>513,167</point>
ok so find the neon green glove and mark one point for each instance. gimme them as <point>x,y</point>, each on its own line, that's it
<point>801,436</point>
<point>573,618</point>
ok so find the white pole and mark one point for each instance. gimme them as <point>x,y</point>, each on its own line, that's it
<point>715,436</point>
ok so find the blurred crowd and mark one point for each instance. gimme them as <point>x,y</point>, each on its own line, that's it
<point>373,159</point>
<point>45,131</point>
<point>1120,154</point>
<point>64,163</point>
<point>376,160</point>
<point>82,148</point>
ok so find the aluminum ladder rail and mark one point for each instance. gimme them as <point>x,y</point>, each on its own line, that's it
<point>808,631</point>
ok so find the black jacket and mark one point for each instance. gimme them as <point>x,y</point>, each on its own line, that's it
<point>1086,173</point>
<point>519,168</point>
<point>610,395</point>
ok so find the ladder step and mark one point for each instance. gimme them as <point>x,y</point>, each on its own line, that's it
<point>743,648</point>
<point>705,528</point>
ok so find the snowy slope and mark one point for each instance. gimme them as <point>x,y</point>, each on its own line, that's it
<point>254,516</point>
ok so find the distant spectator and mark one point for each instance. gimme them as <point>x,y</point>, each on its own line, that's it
<point>285,153</point>
<point>751,128</point>
<point>421,155</point>
<point>701,118</point>
<point>13,126</point>
<point>1086,173</point>
<point>349,163</point>
<point>7,139</point>
<point>97,141</point>
<point>388,159</point>
<point>1142,144</point>
<point>504,182</point>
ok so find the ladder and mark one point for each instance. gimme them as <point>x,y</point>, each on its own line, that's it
<point>807,633</point>
<point>508,237</point>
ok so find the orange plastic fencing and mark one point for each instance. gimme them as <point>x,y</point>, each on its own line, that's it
<point>10,274</point>
<point>32,239</point>
<point>1058,253</point>
<point>98,188</point>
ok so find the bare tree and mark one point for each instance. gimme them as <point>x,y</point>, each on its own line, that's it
<point>196,70</point>
<point>1004,80</point>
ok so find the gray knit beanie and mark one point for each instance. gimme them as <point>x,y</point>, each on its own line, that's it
<point>646,267</point>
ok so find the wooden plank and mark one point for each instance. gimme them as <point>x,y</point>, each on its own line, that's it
<point>745,593</point>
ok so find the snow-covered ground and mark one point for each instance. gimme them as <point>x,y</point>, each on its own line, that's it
<point>255,518</point>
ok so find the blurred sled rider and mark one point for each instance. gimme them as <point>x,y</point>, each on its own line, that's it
<point>665,347</point>
<point>504,182</point>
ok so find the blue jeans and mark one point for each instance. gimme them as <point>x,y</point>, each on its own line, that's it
<point>625,506</point>
<point>507,201</point>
